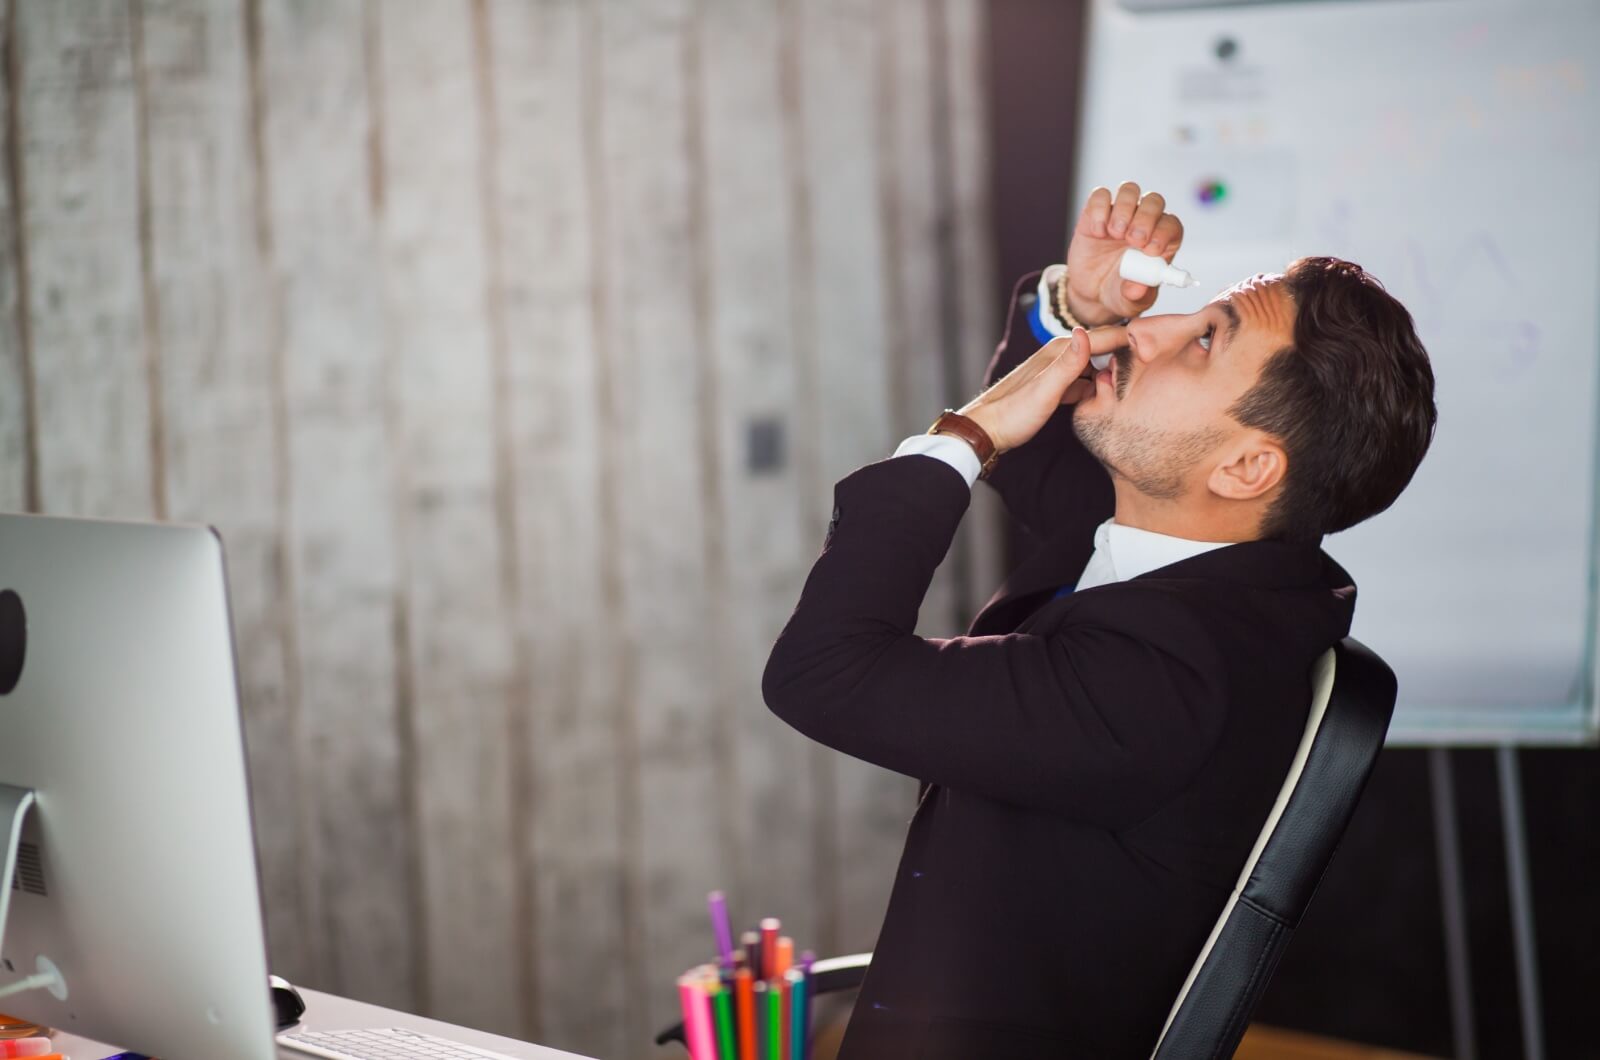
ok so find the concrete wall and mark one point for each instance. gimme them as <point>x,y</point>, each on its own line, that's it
<point>514,347</point>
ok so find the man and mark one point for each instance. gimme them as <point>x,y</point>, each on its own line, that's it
<point>1101,750</point>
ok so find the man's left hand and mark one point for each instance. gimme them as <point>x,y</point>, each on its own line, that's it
<point>1096,291</point>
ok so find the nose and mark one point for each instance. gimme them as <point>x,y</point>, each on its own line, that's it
<point>1153,337</point>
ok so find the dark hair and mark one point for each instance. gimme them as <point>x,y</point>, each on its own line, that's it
<point>1351,401</point>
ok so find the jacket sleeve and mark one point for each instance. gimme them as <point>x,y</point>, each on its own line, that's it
<point>1104,720</point>
<point>1052,477</point>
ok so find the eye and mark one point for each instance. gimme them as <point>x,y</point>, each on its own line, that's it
<point>1205,340</point>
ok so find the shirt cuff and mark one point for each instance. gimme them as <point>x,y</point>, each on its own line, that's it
<point>1053,325</point>
<point>947,448</point>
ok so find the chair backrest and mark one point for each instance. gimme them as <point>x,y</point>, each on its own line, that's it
<point>1353,693</point>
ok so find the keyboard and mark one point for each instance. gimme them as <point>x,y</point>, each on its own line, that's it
<point>389,1043</point>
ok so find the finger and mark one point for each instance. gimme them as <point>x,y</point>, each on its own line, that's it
<point>1059,374</point>
<point>1167,237</point>
<point>1092,221</point>
<point>1149,211</point>
<point>1080,390</point>
<point>1076,357</point>
<point>1025,371</point>
<point>1135,292</point>
<point>1049,357</point>
<point>1029,370</point>
<point>1122,209</point>
<point>1105,339</point>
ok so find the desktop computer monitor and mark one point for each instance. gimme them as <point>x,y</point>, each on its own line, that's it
<point>137,876</point>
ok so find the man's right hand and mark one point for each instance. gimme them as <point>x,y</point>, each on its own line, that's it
<point>1096,291</point>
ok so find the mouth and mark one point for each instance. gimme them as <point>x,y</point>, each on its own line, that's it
<point>1105,368</point>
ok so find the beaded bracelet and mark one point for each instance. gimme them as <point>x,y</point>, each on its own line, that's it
<point>1064,314</point>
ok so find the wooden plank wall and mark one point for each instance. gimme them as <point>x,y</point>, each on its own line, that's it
<point>514,346</point>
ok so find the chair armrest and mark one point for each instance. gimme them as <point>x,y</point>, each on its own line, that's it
<point>827,977</point>
<point>839,973</point>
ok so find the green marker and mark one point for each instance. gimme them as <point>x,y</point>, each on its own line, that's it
<point>774,1022</point>
<point>724,1006</point>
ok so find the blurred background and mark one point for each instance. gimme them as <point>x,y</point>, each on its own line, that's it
<point>514,347</point>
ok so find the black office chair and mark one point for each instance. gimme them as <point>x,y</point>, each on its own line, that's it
<point>1353,694</point>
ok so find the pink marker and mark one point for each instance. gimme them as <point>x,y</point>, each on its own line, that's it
<point>27,1047</point>
<point>698,1033</point>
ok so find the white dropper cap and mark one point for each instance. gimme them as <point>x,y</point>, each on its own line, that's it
<point>1151,271</point>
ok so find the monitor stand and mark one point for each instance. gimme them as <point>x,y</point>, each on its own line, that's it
<point>14,805</point>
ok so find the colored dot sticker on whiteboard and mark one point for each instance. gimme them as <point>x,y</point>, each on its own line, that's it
<point>1211,192</point>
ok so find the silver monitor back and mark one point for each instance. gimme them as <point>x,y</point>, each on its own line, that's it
<point>125,721</point>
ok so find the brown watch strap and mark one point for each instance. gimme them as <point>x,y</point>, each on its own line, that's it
<point>953,423</point>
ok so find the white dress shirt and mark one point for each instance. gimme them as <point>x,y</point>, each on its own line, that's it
<point>1120,552</point>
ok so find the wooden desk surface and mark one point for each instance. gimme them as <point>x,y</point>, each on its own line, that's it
<point>327,1012</point>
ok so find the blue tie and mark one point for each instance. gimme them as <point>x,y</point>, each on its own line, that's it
<point>1065,590</point>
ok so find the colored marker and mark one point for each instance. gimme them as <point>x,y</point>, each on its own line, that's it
<point>769,946</point>
<point>785,956</point>
<point>717,903</point>
<point>27,1047</point>
<point>763,1019</point>
<point>799,1006</point>
<point>807,959</point>
<point>787,989</point>
<point>751,941</point>
<point>723,1002</point>
<point>774,1025</point>
<point>745,999</point>
<point>705,1014</point>
<point>691,997</point>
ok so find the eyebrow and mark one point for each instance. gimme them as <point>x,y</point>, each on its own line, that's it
<point>1232,314</point>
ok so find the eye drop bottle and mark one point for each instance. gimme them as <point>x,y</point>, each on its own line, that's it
<point>1152,271</point>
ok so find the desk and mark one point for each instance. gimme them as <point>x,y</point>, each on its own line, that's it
<point>330,1012</point>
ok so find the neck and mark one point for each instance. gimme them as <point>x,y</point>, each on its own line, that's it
<point>1196,516</point>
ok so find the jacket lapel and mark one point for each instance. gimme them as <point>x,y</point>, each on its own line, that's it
<point>1057,563</point>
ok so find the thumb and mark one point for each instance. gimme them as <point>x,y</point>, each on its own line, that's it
<point>1133,292</point>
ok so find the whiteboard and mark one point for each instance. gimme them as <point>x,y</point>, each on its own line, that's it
<point>1452,148</point>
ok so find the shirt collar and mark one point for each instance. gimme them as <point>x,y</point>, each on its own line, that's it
<point>1133,551</point>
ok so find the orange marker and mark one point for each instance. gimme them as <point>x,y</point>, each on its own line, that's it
<point>30,1047</point>
<point>785,957</point>
<point>744,988</point>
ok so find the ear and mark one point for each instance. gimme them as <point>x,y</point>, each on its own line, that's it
<point>1250,469</point>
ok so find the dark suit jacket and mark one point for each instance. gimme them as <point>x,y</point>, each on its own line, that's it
<point>1097,766</point>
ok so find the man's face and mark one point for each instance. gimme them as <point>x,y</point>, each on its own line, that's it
<point>1161,408</point>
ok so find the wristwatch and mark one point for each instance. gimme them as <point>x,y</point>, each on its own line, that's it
<point>953,423</point>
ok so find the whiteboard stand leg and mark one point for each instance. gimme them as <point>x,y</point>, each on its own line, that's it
<point>1522,936</point>
<point>1452,900</point>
